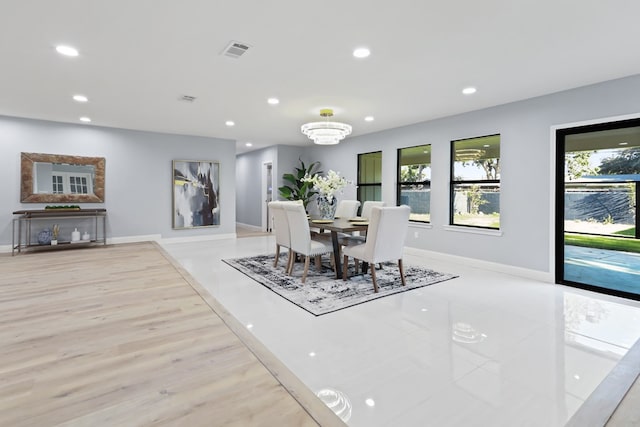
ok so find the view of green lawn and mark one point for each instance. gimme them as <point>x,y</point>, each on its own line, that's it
<point>605,242</point>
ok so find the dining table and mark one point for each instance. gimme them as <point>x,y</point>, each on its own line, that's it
<point>337,226</point>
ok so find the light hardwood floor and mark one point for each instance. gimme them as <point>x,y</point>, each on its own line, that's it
<point>120,335</point>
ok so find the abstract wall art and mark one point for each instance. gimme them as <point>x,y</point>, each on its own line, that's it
<point>196,189</point>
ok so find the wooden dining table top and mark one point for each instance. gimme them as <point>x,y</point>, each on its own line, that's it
<point>340,225</point>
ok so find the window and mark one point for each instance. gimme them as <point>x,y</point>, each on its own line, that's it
<point>71,183</point>
<point>370,176</point>
<point>414,181</point>
<point>475,182</point>
<point>57,184</point>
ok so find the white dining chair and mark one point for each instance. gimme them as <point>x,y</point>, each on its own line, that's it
<point>347,209</point>
<point>301,241</point>
<point>358,237</point>
<point>281,228</point>
<point>368,205</point>
<point>385,240</point>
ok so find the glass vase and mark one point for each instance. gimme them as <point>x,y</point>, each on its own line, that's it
<point>326,208</point>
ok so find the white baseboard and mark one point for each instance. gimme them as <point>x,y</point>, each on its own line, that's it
<point>542,276</point>
<point>198,238</point>
<point>250,227</point>
<point>151,238</point>
<point>134,239</point>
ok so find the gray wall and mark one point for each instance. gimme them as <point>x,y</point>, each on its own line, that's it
<point>249,170</point>
<point>138,187</point>
<point>526,162</point>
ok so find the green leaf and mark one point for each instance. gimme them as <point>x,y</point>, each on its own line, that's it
<point>289,177</point>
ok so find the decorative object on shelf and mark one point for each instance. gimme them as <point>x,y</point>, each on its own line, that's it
<point>54,234</point>
<point>45,236</point>
<point>86,236</point>
<point>297,189</point>
<point>63,207</point>
<point>196,186</point>
<point>75,235</point>
<point>326,133</point>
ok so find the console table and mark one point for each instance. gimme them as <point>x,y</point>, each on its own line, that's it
<point>30,222</point>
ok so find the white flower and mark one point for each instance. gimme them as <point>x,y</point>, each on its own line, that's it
<point>327,186</point>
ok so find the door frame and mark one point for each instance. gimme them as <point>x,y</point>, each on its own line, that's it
<point>264,211</point>
<point>556,213</point>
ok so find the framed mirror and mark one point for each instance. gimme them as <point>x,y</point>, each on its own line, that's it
<point>56,178</point>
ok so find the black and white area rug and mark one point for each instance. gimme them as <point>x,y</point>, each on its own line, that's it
<point>322,293</point>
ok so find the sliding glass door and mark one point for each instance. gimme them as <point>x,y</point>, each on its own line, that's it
<point>597,183</point>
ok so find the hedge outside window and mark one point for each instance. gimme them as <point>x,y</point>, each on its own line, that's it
<point>414,181</point>
<point>370,176</point>
<point>475,182</point>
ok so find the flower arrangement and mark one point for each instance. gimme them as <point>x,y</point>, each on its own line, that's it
<point>327,186</point>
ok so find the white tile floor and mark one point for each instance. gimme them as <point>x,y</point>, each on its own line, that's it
<point>485,349</point>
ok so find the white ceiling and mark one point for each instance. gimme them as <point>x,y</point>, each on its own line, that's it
<point>137,57</point>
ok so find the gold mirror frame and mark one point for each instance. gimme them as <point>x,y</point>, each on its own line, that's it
<point>26,180</point>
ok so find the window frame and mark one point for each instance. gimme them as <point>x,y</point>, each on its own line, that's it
<point>360,185</point>
<point>400,183</point>
<point>454,183</point>
<point>85,182</point>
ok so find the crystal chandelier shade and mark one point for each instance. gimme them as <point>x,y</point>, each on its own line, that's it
<point>326,133</point>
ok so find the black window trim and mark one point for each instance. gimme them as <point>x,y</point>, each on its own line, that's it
<point>455,182</point>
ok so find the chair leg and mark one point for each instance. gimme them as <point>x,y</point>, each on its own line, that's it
<point>401,272</point>
<point>356,263</point>
<point>275,262</point>
<point>345,261</point>
<point>292,260</point>
<point>373,278</point>
<point>318,263</point>
<point>306,268</point>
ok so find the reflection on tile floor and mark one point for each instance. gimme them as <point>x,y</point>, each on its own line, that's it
<point>483,349</point>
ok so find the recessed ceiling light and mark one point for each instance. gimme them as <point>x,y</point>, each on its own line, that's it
<point>248,144</point>
<point>80,98</point>
<point>273,101</point>
<point>624,143</point>
<point>249,325</point>
<point>361,52</point>
<point>67,50</point>
<point>312,354</point>
<point>369,119</point>
<point>486,146</point>
<point>85,119</point>
<point>370,402</point>
<point>469,90</point>
<point>230,123</point>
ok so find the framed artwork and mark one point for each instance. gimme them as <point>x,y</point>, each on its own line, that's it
<point>196,187</point>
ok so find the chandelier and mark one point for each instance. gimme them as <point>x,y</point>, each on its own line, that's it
<point>469,154</point>
<point>326,133</point>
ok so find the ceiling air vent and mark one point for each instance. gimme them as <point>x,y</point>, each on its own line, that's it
<point>235,49</point>
<point>187,98</point>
